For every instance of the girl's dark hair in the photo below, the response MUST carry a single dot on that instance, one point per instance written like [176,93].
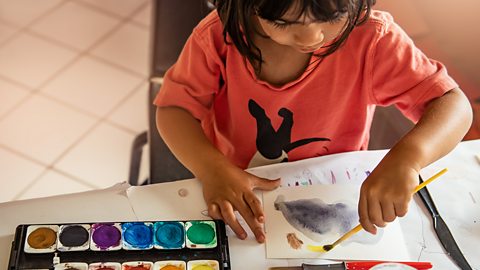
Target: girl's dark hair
[236,14]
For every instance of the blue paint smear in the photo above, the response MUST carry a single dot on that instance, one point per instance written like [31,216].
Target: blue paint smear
[317,217]
[169,235]
[138,235]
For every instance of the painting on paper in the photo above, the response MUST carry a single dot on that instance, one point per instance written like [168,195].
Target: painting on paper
[319,215]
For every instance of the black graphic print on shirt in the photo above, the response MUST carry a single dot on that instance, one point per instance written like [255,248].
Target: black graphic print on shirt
[273,145]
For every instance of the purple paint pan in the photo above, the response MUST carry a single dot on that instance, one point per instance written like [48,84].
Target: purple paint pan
[106,237]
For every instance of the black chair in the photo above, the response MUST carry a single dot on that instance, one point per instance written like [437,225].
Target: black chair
[172,23]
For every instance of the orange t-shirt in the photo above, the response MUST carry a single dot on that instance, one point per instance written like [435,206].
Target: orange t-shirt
[327,110]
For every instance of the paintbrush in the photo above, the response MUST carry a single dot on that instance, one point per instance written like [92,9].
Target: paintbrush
[357,228]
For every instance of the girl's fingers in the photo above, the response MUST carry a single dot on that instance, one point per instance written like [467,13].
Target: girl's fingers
[214,211]
[363,214]
[375,214]
[388,211]
[266,184]
[252,222]
[255,206]
[401,209]
[230,219]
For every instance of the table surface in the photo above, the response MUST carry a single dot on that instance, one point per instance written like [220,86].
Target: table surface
[459,190]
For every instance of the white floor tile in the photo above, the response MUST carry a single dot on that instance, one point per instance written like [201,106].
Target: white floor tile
[101,159]
[144,17]
[6,32]
[121,8]
[43,129]
[133,114]
[16,174]
[127,47]
[75,25]
[51,184]
[31,61]
[92,85]
[22,12]
[10,95]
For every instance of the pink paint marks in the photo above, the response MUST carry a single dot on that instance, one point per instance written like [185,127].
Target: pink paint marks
[334,179]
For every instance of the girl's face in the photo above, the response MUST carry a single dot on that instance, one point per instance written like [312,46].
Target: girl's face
[303,34]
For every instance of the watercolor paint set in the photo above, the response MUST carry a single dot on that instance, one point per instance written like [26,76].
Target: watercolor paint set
[146,245]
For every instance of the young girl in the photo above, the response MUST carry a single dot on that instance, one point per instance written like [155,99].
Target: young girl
[265,81]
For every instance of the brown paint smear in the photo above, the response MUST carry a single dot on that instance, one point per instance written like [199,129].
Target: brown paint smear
[42,238]
[293,241]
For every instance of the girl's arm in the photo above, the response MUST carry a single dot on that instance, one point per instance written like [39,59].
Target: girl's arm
[225,187]
[385,194]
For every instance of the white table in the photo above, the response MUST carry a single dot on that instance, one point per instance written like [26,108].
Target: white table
[457,198]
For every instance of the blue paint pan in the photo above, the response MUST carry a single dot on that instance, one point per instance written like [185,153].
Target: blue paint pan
[169,235]
[137,235]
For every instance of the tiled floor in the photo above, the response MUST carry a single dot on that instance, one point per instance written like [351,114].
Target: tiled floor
[73,93]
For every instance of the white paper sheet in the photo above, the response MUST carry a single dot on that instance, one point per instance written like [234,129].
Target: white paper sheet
[168,201]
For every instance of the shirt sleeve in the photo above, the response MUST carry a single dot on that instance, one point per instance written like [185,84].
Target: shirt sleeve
[402,75]
[192,82]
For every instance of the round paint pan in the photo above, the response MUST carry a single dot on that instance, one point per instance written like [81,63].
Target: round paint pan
[105,266]
[137,266]
[71,266]
[203,265]
[200,234]
[170,265]
[105,236]
[73,237]
[169,235]
[137,235]
[41,239]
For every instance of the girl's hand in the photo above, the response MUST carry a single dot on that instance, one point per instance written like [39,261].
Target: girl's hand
[228,189]
[385,195]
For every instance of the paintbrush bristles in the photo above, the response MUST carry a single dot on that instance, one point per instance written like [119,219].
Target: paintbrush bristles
[327,248]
